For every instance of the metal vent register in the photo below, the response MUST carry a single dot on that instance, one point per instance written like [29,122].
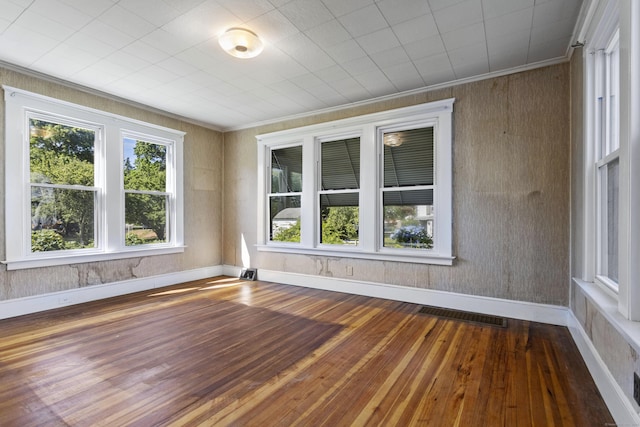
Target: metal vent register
[447,313]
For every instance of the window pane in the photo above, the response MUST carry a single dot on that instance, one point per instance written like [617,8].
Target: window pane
[408,158]
[60,154]
[341,164]
[146,218]
[285,218]
[613,172]
[61,219]
[339,218]
[408,219]
[145,165]
[613,89]
[286,170]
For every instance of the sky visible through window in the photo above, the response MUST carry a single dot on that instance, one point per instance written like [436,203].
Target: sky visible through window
[129,144]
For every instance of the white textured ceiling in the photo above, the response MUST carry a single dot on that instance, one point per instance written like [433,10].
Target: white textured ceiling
[319,54]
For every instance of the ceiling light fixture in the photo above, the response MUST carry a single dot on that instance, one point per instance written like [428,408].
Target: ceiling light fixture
[392,139]
[241,43]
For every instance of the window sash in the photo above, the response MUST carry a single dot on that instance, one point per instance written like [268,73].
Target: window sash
[287,163]
[349,233]
[36,227]
[340,164]
[612,89]
[607,143]
[161,228]
[408,175]
[604,75]
[412,162]
[607,233]
[338,196]
[287,218]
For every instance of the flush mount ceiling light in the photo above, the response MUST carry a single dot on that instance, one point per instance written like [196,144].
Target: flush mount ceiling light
[241,43]
[392,139]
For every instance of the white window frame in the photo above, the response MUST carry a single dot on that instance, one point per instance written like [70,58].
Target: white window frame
[629,267]
[606,145]
[285,194]
[108,163]
[439,245]
[320,191]
[610,16]
[437,114]
[170,177]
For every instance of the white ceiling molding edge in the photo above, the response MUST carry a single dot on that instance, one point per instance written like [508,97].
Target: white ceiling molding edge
[492,75]
[51,79]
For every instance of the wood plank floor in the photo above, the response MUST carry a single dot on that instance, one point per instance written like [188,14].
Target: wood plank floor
[228,352]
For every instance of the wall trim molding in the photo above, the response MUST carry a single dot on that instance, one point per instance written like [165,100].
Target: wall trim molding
[614,397]
[543,313]
[36,303]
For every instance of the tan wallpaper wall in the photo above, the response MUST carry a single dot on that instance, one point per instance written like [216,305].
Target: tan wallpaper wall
[511,193]
[203,153]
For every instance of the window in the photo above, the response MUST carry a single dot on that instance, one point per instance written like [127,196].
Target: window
[375,186]
[147,199]
[611,206]
[607,152]
[339,193]
[407,191]
[87,185]
[62,184]
[285,194]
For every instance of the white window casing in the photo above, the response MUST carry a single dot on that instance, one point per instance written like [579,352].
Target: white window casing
[369,129]
[629,267]
[612,140]
[601,143]
[108,160]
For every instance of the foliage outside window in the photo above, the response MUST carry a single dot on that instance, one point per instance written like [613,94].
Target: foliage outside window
[146,199]
[339,192]
[375,186]
[63,195]
[87,185]
[407,194]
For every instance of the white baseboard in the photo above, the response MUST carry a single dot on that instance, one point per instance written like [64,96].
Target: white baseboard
[544,313]
[619,405]
[33,304]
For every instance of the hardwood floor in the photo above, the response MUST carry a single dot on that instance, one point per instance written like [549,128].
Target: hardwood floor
[228,352]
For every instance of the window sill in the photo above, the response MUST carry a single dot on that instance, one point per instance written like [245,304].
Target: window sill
[21,264]
[607,285]
[607,305]
[422,258]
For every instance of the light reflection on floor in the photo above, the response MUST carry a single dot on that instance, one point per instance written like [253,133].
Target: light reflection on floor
[245,297]
[173,291]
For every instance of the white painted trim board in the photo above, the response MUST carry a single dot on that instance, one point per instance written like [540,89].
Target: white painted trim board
[619,405]
[543,313]
[36,303]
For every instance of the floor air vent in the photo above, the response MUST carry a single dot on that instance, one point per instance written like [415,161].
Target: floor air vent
[447,313]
